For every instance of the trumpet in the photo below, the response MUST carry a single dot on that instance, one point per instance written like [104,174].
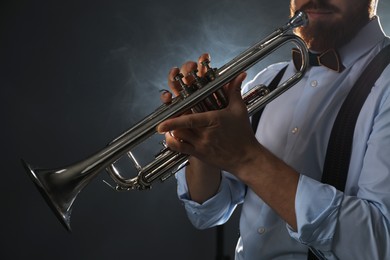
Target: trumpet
[60,186]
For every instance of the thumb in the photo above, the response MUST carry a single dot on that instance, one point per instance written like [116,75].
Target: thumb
[233,89]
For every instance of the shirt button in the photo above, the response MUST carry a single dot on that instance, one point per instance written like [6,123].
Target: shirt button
[261,230]
[314,83]
[295,130]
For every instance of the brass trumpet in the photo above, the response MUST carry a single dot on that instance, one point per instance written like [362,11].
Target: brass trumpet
[61,186]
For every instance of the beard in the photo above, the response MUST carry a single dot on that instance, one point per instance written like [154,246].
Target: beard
[322,35]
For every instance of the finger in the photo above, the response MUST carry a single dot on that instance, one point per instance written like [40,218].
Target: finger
[178,145]
[185,135]
[185,69]
[172,83]
[201,68]
[233,89]
[165,96]
[189,121]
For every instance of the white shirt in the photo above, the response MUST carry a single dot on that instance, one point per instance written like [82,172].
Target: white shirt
[296,127]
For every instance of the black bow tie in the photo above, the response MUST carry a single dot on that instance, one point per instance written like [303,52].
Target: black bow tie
[329,59]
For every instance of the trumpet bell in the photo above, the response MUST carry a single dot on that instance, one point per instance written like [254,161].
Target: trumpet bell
[59,188]
[58,204]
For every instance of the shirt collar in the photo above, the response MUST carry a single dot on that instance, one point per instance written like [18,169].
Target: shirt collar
[369,36]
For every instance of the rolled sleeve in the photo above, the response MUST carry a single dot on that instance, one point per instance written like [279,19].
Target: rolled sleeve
[316,209]
[214,211]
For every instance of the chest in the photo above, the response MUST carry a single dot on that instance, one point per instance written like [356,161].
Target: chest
[296,126]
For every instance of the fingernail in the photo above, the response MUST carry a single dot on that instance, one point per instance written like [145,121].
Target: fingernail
[161,130]
[244,74]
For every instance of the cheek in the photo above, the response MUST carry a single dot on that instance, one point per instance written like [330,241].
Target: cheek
[297,4]
[350,6]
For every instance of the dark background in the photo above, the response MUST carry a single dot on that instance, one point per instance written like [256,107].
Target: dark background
[76,74]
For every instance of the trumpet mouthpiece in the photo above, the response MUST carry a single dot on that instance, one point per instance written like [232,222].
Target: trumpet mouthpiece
[299,19]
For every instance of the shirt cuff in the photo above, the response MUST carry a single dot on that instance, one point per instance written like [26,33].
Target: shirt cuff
[316,207]
[214,211]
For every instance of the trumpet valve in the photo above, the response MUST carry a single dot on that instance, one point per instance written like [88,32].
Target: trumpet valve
[210,73]
[186,90]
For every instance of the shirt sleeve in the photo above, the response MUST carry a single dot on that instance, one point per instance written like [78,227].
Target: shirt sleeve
[316,208]
[217,209]
[352,225]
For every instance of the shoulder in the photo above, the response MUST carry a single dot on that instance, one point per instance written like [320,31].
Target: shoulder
[381,89]
[376,108]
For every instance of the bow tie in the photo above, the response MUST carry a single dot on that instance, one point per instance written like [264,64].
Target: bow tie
[329,59]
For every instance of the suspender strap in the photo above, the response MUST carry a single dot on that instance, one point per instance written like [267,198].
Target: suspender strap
[272,86]
[339,149]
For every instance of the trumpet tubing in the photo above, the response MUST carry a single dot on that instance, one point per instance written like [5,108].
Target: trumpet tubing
[61,186]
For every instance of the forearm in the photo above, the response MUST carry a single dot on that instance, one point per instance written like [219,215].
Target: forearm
[273,181]
[202,179]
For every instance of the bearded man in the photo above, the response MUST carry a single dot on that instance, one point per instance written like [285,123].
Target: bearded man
[287,212]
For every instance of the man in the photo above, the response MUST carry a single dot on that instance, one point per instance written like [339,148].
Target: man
[276,173]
